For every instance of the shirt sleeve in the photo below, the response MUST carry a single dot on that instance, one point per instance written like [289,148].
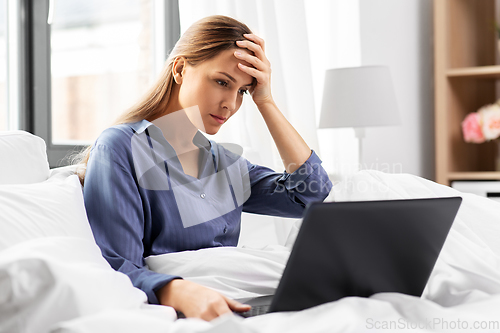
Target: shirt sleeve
[115,212]
[286,194]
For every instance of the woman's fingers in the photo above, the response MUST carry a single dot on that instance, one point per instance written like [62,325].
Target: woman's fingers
[256,39]
[255,48]
[254,61]
[222,306]
[259,75]
[258,66]
[237,306]
[216,308]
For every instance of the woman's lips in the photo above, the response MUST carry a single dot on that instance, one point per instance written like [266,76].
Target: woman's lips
[220,120]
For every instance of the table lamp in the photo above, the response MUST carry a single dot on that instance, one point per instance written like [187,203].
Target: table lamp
[358,97]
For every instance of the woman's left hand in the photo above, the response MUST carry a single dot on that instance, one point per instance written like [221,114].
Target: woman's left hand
[261,70]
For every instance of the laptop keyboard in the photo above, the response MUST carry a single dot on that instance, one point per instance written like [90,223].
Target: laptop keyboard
[255,311]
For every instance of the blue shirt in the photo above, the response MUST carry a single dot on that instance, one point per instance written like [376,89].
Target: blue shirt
[139,202]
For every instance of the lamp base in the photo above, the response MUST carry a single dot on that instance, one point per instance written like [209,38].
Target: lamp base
[360,134]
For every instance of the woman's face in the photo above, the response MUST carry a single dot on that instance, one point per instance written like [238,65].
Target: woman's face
[216,87]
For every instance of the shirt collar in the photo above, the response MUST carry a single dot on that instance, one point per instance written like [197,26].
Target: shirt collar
[140,126]
[199,139]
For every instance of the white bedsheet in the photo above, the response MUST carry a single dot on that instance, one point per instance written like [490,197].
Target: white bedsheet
[463,291]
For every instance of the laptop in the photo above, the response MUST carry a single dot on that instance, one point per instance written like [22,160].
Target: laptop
[359,248]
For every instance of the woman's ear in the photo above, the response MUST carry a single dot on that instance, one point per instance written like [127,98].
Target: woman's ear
[178,69]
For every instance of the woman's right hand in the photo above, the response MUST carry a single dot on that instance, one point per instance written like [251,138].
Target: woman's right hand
[195,300]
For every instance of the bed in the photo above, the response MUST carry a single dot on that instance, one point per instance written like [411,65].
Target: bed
[54,279]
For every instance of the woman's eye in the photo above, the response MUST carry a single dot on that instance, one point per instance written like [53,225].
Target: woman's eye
[226,84]
[222,83]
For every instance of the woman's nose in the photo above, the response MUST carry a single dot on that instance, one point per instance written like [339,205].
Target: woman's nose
[230,102]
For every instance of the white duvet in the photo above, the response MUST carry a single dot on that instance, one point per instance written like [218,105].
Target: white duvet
[463,292]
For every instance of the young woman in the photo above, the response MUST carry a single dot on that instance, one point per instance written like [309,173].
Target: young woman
[154,184]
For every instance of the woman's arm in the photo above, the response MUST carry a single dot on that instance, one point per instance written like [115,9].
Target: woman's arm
[116,216]
[286,194]
[292,148]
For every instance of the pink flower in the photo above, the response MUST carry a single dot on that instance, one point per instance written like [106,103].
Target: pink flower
[471,127]
[490,116]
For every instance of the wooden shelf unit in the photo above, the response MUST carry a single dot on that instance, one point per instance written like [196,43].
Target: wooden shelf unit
[483,72]
[493,175]
[466,73]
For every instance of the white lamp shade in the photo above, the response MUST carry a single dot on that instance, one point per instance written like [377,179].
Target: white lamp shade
[358,97]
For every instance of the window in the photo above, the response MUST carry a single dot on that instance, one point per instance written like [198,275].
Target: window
[102,60]
[92,62]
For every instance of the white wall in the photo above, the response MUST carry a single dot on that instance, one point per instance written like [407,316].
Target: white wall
[399,34]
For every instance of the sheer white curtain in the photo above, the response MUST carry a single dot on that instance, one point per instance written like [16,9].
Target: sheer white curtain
[334,42]
[303,39]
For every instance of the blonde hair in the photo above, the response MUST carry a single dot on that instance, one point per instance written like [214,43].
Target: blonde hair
[202,41]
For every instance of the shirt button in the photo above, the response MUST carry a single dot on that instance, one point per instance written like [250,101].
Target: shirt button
[202,195]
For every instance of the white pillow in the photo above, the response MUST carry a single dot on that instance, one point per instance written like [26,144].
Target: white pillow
[51,208]
[23,158]
[232,271]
